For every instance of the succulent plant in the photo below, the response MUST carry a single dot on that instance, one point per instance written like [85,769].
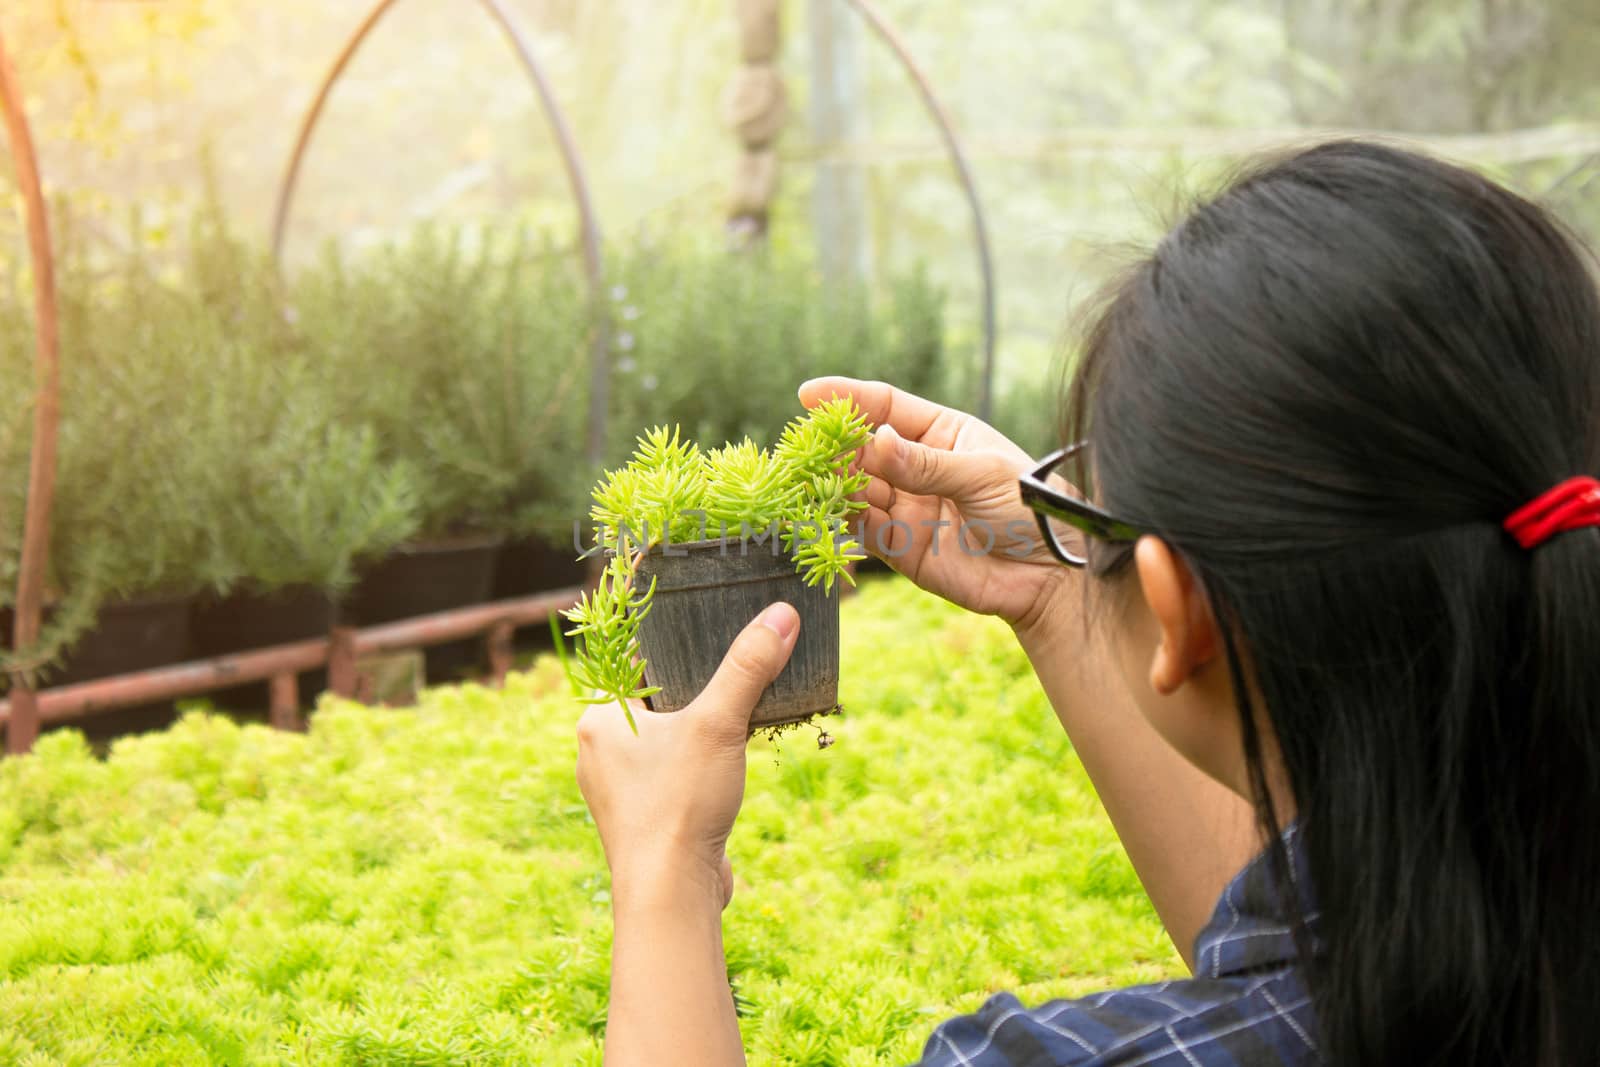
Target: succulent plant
[802,491]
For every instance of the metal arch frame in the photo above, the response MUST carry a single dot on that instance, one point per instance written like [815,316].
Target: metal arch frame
[577,179]
[891,37]
[23,727]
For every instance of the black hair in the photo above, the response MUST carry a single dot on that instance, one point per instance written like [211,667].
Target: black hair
[1326,390]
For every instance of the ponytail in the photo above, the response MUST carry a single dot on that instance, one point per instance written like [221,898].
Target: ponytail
[1560,792]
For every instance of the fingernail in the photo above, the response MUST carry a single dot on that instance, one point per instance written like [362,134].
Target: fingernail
[781,619]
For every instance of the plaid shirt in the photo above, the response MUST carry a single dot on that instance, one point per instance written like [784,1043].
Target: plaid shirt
[1246,1006]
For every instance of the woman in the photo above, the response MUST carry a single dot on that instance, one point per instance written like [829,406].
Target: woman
[1341,608]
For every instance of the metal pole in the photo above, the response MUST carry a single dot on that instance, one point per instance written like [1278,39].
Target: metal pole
[958,156]
[23,727]
[308,125]
[577,179]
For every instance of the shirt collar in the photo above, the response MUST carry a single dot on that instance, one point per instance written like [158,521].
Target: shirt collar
[1252,928]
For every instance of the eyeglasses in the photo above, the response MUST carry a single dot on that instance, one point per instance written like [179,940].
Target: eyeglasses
[1066,517]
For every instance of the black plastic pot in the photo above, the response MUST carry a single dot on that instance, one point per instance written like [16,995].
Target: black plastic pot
[706,593]
[128,636]
[528,566]
[251,619]
[424,579]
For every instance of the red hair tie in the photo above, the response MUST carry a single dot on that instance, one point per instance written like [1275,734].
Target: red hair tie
[1572,505]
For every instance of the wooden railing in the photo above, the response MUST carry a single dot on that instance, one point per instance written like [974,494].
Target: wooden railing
[281,665]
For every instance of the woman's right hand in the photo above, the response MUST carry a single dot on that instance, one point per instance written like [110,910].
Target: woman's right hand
[935,472]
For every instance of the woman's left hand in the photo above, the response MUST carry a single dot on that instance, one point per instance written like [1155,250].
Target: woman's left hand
[665,801]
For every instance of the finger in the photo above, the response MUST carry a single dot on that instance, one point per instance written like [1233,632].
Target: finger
[882,537]
[593,728]
[880,402]
[596,724]
[880,494]
[914,468]
[756,657]
[895,541]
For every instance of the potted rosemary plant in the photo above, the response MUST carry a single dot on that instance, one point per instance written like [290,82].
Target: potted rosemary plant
[464,351]
[306,500]
[698,542]
[128,532]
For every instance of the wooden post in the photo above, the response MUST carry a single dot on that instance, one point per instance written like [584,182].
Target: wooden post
[755,107]
[285,705]
[502,652]
[837,119]
[343,677]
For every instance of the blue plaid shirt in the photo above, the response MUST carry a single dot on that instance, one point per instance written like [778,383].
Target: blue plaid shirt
[1246,1006]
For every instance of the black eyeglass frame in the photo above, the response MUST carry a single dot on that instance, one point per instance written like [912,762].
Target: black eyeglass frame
[1047,503]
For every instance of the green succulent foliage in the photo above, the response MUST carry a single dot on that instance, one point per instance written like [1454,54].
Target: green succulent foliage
[672,491]
[748,490]
[606,625]
[817,443]
[425,886]
[820,555]
[662,450]
[657,496]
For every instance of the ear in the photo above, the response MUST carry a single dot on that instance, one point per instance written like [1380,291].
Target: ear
[1189,637]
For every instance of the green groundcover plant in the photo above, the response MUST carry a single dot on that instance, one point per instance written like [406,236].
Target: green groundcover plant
[425,886]
[800,493]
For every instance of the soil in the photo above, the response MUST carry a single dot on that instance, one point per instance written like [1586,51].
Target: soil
[824,739]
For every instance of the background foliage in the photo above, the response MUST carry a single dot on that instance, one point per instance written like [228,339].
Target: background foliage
[224,426]
[718,344]
[1083,119]
[424,886]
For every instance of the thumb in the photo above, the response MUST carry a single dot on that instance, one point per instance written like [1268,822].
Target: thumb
[916,468]
[756,657]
